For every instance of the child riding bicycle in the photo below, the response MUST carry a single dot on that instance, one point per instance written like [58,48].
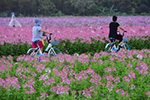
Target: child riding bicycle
[113,27]
[37,34]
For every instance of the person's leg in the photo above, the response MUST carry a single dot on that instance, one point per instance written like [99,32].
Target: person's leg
[112,41]
[34,45]
[120,38]
[41,46]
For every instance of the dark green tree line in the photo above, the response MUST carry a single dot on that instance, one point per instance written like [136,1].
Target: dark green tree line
[73,7]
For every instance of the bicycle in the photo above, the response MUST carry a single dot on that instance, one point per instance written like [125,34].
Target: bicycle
[49,49]
[112,46]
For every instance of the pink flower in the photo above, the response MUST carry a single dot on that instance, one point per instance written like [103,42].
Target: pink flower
[114,69]
[2,81]
[28,92]
[126,78]
[129,65]
[122,92]
[132,75]
[43,95]
[147,93]
[117,91]
[132,86]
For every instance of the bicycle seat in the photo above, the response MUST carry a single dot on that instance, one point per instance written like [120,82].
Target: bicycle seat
[111,38]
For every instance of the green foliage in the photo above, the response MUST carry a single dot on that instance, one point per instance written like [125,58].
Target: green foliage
[73,7]
[47,7]
[14,50]
[139,44]
[71,48]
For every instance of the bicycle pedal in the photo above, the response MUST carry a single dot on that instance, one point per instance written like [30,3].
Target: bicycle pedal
[40,55]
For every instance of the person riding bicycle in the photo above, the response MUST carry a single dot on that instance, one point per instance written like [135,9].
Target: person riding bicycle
[37,34]
[113,27]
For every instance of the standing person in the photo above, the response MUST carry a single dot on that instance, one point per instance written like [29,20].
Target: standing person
[113,27]
[37,34]
[14,22]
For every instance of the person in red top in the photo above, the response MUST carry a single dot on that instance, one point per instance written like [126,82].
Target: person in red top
[113,27]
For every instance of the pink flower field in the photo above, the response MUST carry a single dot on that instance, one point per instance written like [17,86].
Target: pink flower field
[122,76]
[100,76]
[74,28]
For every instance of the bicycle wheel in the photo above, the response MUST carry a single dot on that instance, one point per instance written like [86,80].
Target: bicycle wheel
[53,52]
[108,47]
[31,52]
[125,46]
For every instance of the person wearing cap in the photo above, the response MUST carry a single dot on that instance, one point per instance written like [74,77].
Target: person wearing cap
[37,34]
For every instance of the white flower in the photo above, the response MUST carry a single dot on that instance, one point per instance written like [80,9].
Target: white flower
[139,56]
[48,70]
[76,54]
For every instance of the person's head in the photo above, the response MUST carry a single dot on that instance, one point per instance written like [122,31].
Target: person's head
[114,18]
[37,22]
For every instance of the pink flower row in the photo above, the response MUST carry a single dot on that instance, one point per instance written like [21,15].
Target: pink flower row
[24,34]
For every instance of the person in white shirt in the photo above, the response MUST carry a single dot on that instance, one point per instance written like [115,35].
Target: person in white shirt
[37,34]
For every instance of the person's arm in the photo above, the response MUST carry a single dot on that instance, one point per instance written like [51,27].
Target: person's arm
[45,31]
[122,29]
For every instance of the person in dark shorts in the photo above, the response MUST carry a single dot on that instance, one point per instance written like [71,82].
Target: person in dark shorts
[113,27]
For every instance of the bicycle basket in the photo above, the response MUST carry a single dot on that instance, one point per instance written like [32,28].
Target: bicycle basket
[125,39]
[54,43]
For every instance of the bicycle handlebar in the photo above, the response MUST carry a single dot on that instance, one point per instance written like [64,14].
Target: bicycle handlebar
[48,39]
[120,33]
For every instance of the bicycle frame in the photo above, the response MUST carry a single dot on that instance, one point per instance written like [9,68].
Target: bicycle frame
[49,47]
[112,46]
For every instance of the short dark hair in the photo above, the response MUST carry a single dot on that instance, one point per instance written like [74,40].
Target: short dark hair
[114,18]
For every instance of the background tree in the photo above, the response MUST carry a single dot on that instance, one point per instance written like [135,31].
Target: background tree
[47,7]
[73,7]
